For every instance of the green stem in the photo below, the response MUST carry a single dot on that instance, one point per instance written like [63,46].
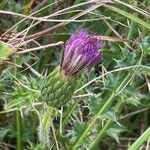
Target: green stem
[47,116]
[68,113]
[100,135]
[140,140]
[45,124]
[66,116]
[102,110]
[18,128]
[18,119]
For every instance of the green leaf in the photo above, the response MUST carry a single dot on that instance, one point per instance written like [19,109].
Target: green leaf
[95,104]
[133,96]
[145,69]
[115,131]
[130,16]
[23,93]
[3,132]
[5,51]
[79,128]
[111,115]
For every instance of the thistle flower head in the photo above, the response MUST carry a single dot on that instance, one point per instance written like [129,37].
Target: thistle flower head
[81,51]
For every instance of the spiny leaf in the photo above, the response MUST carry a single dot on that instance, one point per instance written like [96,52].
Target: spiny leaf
[115,131]
[3,132]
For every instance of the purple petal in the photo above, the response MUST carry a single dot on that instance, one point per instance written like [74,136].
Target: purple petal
[82,50]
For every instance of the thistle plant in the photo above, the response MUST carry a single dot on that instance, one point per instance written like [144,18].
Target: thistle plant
[68,108]
[81,51]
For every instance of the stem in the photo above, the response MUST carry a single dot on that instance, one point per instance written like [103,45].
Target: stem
[45,124]
[102,110]
[68,114]
[54,134]
[18,119]
[65,118]
[140,140]
[100,135]
[18,128]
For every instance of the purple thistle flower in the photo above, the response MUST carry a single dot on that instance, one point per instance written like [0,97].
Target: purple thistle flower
[81,52]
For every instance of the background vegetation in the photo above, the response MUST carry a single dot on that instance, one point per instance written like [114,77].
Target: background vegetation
[111,109]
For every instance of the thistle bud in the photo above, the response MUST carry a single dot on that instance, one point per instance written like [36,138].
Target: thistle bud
[81,51]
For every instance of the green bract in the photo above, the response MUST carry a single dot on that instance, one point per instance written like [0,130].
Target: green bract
[58,89]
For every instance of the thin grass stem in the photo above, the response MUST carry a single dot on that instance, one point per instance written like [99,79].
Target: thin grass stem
[145,136]
[18,128]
